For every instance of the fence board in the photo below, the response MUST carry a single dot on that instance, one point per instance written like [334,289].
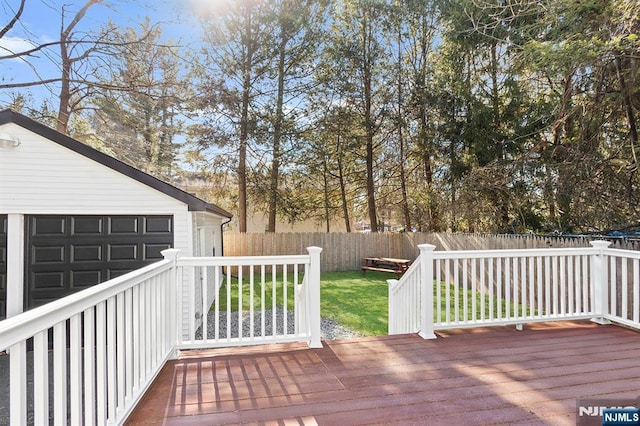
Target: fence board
[344,251]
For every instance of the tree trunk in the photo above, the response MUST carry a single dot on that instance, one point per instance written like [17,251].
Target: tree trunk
[64,114]
[64,106]
[277,135]
[244,130]
[403,177]
[343,189]
[501,194]
[369,130]
[325,181]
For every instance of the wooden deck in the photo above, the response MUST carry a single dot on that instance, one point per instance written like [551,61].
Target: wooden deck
[478,376]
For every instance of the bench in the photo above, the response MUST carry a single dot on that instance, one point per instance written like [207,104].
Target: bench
[385,264]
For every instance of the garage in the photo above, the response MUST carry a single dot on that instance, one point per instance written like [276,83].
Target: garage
[73,217]
[69,253]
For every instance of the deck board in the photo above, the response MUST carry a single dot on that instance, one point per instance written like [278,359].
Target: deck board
[476,376]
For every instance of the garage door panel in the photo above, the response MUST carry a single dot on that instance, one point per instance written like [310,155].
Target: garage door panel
[120,252]
[48,254]
[86,253]
[48,225]
[69,253]
[87,278]
[47,280]
[87,225]
[161,224]
[123,225]
[153,251]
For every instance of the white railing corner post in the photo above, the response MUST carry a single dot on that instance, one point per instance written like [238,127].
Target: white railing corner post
[174,297]
[393,314]
[599,282]
[426,280]
[313,296]
[18,380]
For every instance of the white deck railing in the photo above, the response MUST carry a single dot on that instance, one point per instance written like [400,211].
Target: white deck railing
[260,299]
[500,287]
[405,301]
[89,357]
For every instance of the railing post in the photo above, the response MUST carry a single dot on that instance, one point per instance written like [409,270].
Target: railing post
[393,316]
[18,380]
[426,280]
[313,296]
[174,297]
[599,282]
[15,262]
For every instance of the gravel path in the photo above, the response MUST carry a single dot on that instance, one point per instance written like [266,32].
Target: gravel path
[329,329]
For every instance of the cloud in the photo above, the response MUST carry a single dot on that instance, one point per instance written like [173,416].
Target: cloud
[10,45]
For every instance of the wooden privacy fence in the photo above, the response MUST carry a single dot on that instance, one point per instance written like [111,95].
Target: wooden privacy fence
[345,251]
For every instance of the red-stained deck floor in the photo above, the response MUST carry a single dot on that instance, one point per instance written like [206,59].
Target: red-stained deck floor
[466,377]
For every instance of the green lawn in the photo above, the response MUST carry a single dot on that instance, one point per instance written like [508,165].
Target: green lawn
[357,303]
[362,304]
[269,294]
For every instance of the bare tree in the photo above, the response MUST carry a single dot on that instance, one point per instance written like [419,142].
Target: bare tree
[81,57]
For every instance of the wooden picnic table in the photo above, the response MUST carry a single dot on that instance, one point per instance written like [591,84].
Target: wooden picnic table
[385,264]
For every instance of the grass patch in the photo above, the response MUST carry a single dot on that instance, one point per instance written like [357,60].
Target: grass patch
[499,307]
[362,303]
[358,303]
[269,294]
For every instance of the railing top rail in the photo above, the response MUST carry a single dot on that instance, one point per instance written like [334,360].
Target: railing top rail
[243,260]
[629,254]
[27,324]
[413,268]
[503,253]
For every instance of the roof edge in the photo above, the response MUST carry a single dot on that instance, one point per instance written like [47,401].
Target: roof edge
[194,203]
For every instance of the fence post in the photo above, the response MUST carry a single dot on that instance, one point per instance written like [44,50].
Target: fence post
[599,282]
[174,297]
[313,296]
[426,280]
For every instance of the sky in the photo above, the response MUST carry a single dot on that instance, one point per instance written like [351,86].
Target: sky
[42,19]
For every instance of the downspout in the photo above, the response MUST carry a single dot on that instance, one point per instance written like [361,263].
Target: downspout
[222,236]
[222,242]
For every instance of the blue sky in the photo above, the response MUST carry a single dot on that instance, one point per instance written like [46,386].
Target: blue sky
[41,22]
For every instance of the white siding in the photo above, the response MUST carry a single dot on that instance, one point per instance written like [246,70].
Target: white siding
[182,232]
[212,244]
[209,227]
[43,177]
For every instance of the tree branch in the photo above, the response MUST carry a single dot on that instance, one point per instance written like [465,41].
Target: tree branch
[14,20]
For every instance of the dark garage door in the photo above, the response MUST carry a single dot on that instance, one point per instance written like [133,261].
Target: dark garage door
[65,254]
[3,266]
